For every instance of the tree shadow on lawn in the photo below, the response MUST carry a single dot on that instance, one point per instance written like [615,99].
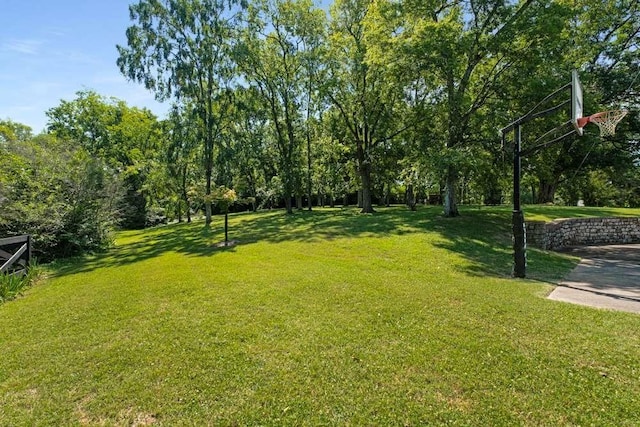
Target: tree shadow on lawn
[273,227]
[484,238]
[481,236]
[145,244]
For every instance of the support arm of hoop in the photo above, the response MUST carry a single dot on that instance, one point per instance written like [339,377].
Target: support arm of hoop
[532,114]
[546,144]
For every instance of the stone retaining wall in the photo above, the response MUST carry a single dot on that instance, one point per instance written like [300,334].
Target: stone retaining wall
[582,231]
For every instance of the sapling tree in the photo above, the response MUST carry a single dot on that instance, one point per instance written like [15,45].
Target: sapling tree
[223,198]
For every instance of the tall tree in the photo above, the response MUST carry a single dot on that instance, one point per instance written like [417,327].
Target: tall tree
[601,40]
[333,164]
[365,93]
[468,46]
[279,46]
[181,154]
[252,162]
[85,119]
[125,138]
[184,49]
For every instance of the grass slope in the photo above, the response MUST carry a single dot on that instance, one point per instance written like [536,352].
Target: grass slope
[322,318]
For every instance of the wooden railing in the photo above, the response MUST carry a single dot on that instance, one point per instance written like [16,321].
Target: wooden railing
[15,254]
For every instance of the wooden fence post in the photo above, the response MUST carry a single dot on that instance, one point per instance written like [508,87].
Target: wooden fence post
[29,245]
[18,252]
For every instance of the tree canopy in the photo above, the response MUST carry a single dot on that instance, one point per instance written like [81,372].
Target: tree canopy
[361,101]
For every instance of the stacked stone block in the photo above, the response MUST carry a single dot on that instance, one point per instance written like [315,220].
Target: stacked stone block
[582,231]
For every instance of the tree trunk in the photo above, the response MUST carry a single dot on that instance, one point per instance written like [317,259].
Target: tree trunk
[308,167]
[450,205]
[364,195]
[546,191]
[387,195]
[299,202]
[185,196]
[207,204]
[308,132]
[207,213]
[411,197]
[187,210]
[287,204]
[533,193]
[207,118]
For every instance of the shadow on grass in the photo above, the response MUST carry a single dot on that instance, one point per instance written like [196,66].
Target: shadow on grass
[480,235]
[274,227]
[483,237]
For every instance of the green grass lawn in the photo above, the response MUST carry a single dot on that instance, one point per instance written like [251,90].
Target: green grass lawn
[549,213]
[321,318]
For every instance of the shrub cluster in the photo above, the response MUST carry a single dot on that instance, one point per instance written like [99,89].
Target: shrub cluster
[55,191]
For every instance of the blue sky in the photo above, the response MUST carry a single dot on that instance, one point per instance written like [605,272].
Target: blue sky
[50,49]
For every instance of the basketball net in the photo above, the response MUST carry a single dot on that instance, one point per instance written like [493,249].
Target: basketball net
[606,121]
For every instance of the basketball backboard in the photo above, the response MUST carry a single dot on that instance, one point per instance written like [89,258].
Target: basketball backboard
[576,101]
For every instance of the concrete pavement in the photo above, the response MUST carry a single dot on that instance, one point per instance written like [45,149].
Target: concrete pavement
[607,277]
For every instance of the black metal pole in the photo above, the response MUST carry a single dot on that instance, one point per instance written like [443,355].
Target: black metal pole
[226,227]
[517,218]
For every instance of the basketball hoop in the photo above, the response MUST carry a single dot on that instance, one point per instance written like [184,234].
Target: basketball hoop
[606,121]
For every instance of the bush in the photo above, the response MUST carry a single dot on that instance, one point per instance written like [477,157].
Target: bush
[155,216]
[54,190]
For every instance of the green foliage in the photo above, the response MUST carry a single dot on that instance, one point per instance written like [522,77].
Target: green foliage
[185,49]
[11,131]
[334,168]
[380,97]
[604,187]
[223,198]
[125,138]
[60,194]
[367,95]
[251,147]
[11,286]
[180,175]
[279,56]
[411,90]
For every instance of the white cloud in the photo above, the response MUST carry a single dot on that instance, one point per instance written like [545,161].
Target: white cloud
[25,46]
[55,31]
[76,57]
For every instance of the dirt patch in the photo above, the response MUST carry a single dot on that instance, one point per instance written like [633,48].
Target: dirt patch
[228,244]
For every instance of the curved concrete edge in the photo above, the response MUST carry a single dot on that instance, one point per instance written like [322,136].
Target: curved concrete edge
[607,277]
[589,298]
